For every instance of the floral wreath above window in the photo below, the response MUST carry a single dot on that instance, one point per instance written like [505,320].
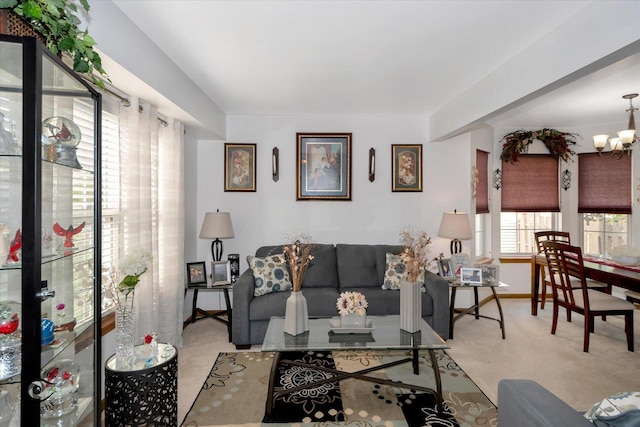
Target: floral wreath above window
[557,142]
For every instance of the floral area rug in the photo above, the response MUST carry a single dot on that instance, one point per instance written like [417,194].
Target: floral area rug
[234,393]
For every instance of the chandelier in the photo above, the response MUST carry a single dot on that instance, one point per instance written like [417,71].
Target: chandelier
[626,138]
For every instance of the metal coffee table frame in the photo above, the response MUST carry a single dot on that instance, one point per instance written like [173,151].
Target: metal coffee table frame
[386,335]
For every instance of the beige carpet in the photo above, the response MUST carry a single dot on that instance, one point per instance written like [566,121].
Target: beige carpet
[530,351]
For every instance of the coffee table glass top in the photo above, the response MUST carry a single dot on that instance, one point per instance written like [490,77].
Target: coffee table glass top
[386,334]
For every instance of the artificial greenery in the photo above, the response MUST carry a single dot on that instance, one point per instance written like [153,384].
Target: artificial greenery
[558,143]
[58,22]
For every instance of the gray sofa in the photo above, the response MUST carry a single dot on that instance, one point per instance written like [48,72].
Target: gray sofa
[525,403]
[334,269]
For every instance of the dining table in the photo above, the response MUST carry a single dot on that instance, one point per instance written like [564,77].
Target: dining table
[600,269]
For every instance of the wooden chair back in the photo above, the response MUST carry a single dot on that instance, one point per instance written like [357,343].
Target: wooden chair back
[552,235]
[567,274]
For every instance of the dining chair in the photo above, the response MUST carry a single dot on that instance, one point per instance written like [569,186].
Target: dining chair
[562,237]
[571,292]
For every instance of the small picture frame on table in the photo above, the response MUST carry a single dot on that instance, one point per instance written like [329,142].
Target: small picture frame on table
[458,261]
[220,273]
[444,267]
[471,276]
[490,272]
[196,273]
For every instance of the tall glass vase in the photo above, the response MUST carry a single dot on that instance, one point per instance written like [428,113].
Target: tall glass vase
[125,330]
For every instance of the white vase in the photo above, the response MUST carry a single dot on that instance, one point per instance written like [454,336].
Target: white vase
[353,321]
[296,316]
[410,306]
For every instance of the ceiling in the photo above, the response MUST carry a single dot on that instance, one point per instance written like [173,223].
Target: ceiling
[369,57]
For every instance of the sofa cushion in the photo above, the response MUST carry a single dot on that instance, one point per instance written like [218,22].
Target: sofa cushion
[396,272]
[322,269]
[620,409]
[363,265]
[270,274]
[321,302]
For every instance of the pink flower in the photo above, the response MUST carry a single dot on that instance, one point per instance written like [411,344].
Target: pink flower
[60,306]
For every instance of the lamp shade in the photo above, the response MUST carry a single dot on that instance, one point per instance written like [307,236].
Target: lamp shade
[455,225]
[217,225]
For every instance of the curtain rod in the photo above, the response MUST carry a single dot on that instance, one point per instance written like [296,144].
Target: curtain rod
[123,99]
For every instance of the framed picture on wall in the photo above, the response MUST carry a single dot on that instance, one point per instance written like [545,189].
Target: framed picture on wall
[239,167]
[323,166]
[406,167]
[196,273]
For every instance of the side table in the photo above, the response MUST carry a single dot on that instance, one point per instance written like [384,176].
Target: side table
[146,394]
[215,314]
[475,308]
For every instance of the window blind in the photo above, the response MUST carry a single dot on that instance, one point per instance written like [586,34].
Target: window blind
[604,184]
[482,184]
[531,185]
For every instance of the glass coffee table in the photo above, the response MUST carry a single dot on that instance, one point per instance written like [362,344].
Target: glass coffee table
[385,334]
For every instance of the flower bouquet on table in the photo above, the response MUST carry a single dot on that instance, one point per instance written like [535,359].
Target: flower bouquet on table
[625,255]
[352,307]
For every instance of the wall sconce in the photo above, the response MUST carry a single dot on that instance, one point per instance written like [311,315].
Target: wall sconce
[275,164]
[372,164]
[566,180]
[497,179]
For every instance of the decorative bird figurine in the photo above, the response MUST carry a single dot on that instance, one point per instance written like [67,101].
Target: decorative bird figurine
[14,247]
[10,325]
[68,233]
[60,134]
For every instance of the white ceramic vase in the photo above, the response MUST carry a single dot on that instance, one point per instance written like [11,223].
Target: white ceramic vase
[296,317]
[353,320]
[410,306]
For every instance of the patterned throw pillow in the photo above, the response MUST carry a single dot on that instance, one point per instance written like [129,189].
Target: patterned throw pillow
[397,272]
[621,409]
[270,273]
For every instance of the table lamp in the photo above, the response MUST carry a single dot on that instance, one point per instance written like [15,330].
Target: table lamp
[216,225]
[455,226]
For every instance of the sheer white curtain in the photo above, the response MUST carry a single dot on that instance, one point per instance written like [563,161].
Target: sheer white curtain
[152,205]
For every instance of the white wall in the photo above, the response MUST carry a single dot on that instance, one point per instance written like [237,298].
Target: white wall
[375,214]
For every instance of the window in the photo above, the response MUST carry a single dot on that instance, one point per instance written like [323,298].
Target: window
[605,208]
[481,236]
[530,202]
[517,230]
[602,232]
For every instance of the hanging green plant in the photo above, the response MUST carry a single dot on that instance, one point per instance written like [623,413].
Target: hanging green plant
[558,143]
[57,21]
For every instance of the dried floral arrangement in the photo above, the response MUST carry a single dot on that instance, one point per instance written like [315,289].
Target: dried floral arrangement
[416,252]
[558,143]
[298,255]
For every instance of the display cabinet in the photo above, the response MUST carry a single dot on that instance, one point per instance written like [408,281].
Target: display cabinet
[49,240]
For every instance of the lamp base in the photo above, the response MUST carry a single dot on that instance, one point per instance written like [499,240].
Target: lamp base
[216,250]
[455,246]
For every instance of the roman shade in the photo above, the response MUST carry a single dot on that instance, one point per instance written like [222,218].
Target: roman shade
[482,185]
[604,184]
[531,184]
